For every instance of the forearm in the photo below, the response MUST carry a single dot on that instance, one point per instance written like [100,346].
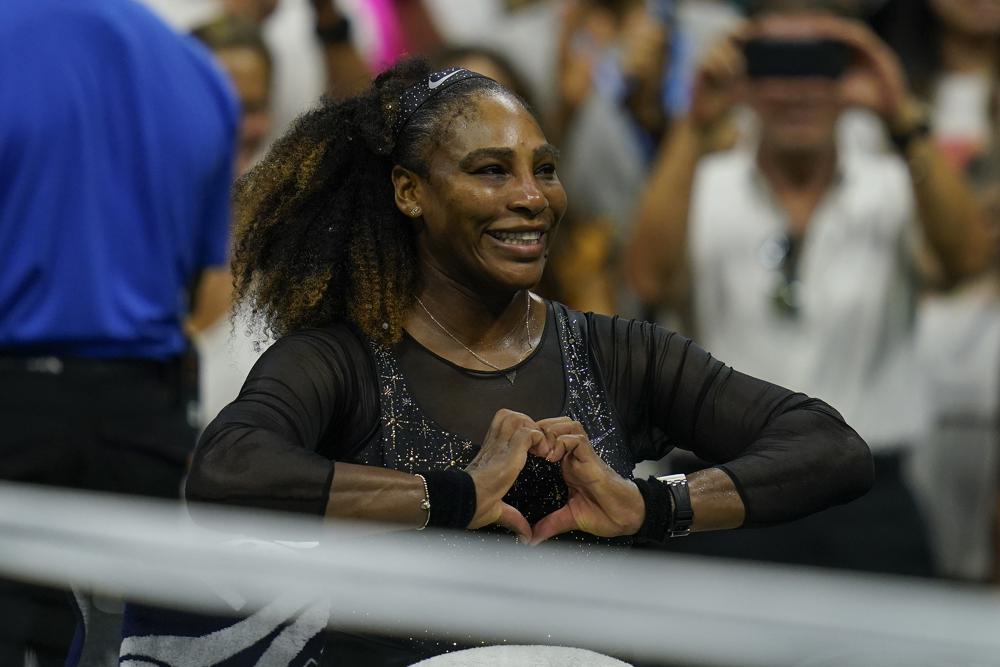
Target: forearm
[716,502]
[212,300]
[951,219]
[659,241]
[346,73]
[374,494]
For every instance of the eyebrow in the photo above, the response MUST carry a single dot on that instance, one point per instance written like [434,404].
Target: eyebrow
[545,150]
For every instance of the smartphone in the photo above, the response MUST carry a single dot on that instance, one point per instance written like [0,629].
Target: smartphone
[770,58]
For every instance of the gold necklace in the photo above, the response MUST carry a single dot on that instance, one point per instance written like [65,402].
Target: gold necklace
[511,374]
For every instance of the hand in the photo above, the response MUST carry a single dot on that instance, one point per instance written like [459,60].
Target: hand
[578,52]
[875,80]
[644,48]
[505,449]
[601,502]
[719,81]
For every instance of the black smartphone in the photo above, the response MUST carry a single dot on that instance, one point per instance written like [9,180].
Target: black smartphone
[767,58]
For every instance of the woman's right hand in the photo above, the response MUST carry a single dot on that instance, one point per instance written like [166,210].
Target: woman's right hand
[511,437]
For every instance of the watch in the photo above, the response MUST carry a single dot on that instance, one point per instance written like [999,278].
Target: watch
[681,513]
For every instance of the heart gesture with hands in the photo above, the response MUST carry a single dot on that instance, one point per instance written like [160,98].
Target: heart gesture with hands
[509,440]
[601,502]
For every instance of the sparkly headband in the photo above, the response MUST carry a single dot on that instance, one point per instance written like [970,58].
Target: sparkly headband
[424,90]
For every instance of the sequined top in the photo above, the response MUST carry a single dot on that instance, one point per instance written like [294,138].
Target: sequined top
[412,441]
[316,397]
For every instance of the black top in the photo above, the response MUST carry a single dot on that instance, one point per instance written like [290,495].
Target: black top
[313,399]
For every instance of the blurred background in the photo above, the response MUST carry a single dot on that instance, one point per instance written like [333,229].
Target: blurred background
[816,204]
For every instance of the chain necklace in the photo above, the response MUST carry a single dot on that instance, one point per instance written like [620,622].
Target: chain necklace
[511,374]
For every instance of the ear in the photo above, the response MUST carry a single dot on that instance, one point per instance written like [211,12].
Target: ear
[406,185]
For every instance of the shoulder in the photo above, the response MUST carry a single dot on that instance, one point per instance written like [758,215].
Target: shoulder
[606,331]
[336,346]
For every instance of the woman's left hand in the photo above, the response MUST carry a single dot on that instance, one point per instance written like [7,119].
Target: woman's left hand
[601,502]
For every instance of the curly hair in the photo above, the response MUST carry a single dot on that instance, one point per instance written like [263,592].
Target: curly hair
[318,237]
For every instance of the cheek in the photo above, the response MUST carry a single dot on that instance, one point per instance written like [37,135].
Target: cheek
[556,195]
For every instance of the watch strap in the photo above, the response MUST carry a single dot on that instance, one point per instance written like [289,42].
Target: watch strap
[681,514]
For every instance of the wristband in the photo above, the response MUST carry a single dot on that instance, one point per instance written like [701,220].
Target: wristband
[668,508]
[450,499]
[336,33]
[901,141]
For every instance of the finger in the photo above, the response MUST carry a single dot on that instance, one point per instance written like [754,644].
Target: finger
[529,439]
[495,423]
[558,522]
[549,422]
[564,444]
[561,426]
[515,522]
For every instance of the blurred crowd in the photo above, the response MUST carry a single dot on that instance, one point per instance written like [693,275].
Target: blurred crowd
[810,189]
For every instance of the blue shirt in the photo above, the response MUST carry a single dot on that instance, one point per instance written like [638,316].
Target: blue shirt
[117,138]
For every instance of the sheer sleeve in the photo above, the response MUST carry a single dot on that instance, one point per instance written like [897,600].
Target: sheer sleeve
[307,401]
[788,454]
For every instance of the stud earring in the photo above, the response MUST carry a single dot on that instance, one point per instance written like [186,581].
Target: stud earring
[415,211]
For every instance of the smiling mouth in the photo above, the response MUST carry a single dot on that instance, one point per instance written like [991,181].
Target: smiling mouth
[518,238]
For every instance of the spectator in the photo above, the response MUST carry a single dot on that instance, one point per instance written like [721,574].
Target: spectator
[240,49]
[803,257]
[958,342]
[118,138]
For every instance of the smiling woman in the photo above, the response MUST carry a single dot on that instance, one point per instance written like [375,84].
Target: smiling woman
[390,242]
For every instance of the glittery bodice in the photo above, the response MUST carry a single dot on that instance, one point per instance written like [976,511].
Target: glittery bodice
[411,441]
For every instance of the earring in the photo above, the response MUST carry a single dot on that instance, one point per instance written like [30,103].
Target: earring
[415,211]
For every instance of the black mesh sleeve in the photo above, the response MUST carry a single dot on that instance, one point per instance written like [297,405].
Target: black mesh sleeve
[788,454]
[268,448]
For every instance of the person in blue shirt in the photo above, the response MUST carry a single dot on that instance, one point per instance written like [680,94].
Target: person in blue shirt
[117,139]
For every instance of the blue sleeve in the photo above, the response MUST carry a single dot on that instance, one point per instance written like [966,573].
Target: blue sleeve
[217,211]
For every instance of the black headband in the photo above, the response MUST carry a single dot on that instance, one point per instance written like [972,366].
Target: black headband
[421,92]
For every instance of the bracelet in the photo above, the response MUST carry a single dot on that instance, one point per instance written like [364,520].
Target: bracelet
[425,504]
[454,498]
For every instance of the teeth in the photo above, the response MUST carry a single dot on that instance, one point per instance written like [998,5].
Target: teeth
[518,238]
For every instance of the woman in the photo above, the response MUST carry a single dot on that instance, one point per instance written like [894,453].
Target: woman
[390,243]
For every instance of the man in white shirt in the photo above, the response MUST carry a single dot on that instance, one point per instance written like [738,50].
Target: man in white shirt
[803,259]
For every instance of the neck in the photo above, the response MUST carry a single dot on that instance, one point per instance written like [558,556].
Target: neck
[476,317]
[961,52]
[799,171]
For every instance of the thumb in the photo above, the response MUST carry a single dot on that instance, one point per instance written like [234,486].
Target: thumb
[514,521]
[559,522]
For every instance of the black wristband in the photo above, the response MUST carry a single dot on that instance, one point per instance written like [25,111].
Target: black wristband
[336,33]
[903,140]
[659,508]
[452,495]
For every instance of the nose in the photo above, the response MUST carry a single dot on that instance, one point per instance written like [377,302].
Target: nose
[529,200]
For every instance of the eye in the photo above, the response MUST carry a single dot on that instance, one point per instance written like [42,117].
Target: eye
[548,170]
[491,170]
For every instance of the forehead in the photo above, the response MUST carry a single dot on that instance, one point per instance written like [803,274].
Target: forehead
[489,120]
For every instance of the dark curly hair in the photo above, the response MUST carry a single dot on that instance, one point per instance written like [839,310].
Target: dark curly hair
[318,237]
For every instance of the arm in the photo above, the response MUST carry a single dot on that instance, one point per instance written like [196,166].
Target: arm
[346,73]
[780,455]
[212,299]
[265,449]
[950,216]
[657,252]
